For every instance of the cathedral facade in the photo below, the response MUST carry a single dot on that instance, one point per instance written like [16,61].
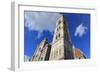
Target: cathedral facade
[61,47]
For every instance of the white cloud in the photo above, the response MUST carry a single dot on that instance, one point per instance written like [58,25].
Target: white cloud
[26,58]
[40,21]
[80,30]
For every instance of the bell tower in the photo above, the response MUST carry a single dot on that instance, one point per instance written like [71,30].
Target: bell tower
[61,45]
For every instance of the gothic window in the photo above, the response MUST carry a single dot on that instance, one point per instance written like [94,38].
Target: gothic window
[59,22]
[57,29]
[59,35]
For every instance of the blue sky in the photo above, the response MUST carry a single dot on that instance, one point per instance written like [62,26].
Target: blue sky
[38,25]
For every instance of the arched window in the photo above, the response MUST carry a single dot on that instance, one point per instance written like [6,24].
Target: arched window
[59,35]
[59,22]
[59,27]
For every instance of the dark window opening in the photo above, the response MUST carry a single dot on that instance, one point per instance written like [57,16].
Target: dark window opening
[59,22]
[59,35]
